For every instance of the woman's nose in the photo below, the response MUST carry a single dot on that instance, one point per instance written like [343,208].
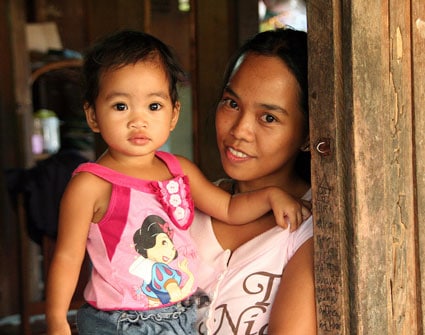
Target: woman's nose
[243,128]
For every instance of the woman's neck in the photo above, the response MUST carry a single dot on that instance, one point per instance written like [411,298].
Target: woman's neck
[296,186]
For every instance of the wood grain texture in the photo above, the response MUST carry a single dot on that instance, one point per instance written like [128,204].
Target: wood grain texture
[366,98]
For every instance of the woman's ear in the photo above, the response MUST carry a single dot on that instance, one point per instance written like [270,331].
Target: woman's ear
[306,145]
[175,116]
[91,117]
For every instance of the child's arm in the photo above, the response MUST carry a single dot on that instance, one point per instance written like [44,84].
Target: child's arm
[243,207]
[76,212]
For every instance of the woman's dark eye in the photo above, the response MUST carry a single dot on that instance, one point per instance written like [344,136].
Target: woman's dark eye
[268,118]
[120,107]
[230,103]
[154,106]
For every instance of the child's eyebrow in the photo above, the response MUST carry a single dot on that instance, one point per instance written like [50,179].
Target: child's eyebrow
[117,94]
[160,94]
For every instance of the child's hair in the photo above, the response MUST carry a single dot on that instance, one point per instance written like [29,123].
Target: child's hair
[126,47]
[290,46]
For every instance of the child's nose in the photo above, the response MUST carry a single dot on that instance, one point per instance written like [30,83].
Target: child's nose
[138,122]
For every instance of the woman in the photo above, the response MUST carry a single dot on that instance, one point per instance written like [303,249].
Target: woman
[259,276]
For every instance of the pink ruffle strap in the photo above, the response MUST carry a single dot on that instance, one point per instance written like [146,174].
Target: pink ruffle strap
[174,196]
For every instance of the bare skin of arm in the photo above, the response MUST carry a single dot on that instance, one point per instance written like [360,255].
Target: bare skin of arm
[244,207]
[293,311]
[77,207]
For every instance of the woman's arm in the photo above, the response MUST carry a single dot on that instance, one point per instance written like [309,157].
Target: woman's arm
[294,308]
[243,207]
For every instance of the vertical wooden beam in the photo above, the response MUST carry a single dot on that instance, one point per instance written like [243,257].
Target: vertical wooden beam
[213,34]
[371,229]
[106,16]
[331,176]
[368,180]
[385,285]
[418,91]
[15,112]
[21,75]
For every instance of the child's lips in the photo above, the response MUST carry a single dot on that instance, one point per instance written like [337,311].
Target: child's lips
[139,139]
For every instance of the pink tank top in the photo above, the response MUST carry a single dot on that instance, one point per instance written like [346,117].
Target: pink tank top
[142,254]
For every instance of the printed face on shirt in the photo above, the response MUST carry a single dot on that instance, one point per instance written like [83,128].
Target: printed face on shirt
[133,110]
[259,122]
[163,251]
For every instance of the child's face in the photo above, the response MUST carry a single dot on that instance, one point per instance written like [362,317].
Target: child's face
[133,111]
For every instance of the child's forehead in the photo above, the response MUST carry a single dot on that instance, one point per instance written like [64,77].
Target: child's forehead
[137,80]
[129,69]
[155,62]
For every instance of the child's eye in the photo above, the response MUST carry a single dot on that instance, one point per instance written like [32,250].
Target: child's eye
[155,106]
[120,107]
[268,118]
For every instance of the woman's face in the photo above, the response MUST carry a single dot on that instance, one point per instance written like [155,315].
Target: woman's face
[259,123]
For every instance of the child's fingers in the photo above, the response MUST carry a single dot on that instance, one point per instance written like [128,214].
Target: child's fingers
[293,217]
[292,220]
[296,222]
[301,214]
[305,213]
[306,204]
[281,219]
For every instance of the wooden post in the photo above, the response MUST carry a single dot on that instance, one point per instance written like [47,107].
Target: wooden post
[366,104]
[417,25]
[331,181]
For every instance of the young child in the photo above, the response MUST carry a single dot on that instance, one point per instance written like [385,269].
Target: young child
[133,207]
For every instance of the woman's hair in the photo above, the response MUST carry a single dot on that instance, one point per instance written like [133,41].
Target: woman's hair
[123,48]
[290,46]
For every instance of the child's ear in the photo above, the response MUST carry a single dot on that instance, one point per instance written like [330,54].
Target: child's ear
[91,118]
[175,116]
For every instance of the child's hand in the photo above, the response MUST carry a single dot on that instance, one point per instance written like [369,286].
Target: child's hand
[288,211]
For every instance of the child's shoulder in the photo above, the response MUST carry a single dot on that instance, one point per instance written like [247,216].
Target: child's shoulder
[179,164]
[182,159]
[86,180]
[186,164]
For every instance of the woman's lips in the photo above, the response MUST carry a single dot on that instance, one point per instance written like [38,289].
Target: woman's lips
[236,155]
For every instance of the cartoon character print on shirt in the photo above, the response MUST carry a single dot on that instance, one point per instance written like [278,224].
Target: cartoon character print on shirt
[161,284]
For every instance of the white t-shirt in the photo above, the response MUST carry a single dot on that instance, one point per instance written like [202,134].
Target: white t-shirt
[242,287]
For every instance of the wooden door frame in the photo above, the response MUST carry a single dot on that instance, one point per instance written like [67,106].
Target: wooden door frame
[366,117]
